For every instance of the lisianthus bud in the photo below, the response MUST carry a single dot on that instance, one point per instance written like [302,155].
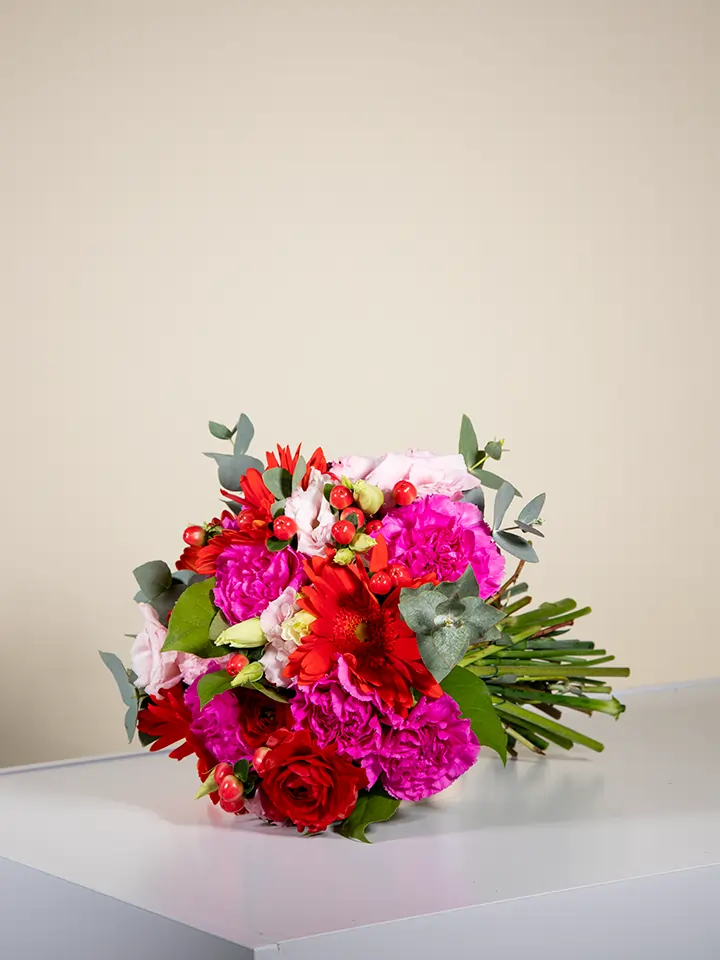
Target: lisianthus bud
[344,556]
[369,497]
[249,674]
[296,627]
[246,634]
[361,544]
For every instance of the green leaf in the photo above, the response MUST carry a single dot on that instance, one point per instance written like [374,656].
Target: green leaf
[503,499]
[217,625]
[279,482]
[275,546]
[299,473]
[231,467]
[250,674]
[445,629]
[491,480]
[468,444]
[212,684]
[128,692]
[208,786]
[244,432]
[153,578]
[270,692]
[515,545]
[189,627]
[532,509]
[476,496]
[219,430]
[277,508]
[373,807]
[528,528]
[466,586]
[494,449]
[242,769]
[473,698]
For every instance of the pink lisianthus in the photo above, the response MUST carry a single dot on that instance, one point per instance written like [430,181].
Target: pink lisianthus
[313,515]
[429,474]
[442,536]
[192,667]
[426,752]
[249,577]
[280,644]
[155,670]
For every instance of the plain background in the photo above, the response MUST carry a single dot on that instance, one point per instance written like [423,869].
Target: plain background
[354,221]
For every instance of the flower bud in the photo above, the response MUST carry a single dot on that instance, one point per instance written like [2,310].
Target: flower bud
[249,674]
[246,634]
[344,556]
[369,497]
[361,544]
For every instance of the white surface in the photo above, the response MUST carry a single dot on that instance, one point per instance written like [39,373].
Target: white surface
[650,805]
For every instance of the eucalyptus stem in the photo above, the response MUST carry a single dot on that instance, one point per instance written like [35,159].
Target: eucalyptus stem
[506,586]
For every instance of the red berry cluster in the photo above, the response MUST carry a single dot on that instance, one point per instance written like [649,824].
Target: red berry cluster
[230,789]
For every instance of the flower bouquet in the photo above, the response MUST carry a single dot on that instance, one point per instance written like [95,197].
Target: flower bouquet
[345,635]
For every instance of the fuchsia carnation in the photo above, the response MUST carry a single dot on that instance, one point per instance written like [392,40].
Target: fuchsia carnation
[335,715]
[217,724]
[426,752]
[249,577]
[442,536]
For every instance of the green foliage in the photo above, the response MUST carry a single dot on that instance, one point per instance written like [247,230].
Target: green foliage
[516,546]
[532,509]
[279,482]
[473,698]
[468,443]
[208,786]
[231,467]
[299,473]
[153,578]
[128,691]
[192,616]
[447,619]
[503,499]
[212,684]
[374,806]
[476,496]
[220,431]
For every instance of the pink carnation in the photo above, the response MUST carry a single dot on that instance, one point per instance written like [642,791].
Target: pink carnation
[442,536]
[217,724]
[249,577]
[155,669]
[426,752]
[429,474]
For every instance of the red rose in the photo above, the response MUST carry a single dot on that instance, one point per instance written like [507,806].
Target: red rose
[311,786]
[260,716]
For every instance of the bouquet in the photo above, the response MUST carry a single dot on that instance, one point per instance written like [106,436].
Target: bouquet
[348,635]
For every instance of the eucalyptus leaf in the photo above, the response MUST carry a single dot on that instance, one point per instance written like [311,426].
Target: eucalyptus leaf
[299,473]
[278,481]
[532,509]
[468,444]
[153,578]
[503,499]
[527,528]
[473,698]
[278,507]
[371,807]
[244,432]
[232,506]
[515,545]
[211,684]
[231,467]
[494,449]
[189,627]
[491,480]
[477,497]
[128,692]
[219,430]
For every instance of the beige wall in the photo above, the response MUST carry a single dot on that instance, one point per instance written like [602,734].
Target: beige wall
[354,221]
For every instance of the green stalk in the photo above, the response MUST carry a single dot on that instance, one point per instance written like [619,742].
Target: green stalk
[612,707]
[518,605]
[546,672]
[529,740]
[549,654]
[510,712]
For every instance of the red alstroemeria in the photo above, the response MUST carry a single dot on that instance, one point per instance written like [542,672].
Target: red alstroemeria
[253,521]
[289,461]
[168,719]
[379,648]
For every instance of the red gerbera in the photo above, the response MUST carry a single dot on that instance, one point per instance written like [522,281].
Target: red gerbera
[379,648]
[169,721]
[289,461]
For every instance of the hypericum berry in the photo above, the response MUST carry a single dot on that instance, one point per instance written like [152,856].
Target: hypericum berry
[284,527]
[194,536]
[350,512]
[236,664]
[221,771]
[230,789]
[340,497]
[400,574]
[404,493]
[381,582]
[343,531]
[233,806]
[259,758]
[372,527]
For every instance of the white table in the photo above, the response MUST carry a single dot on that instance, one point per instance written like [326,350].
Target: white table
[612,856]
